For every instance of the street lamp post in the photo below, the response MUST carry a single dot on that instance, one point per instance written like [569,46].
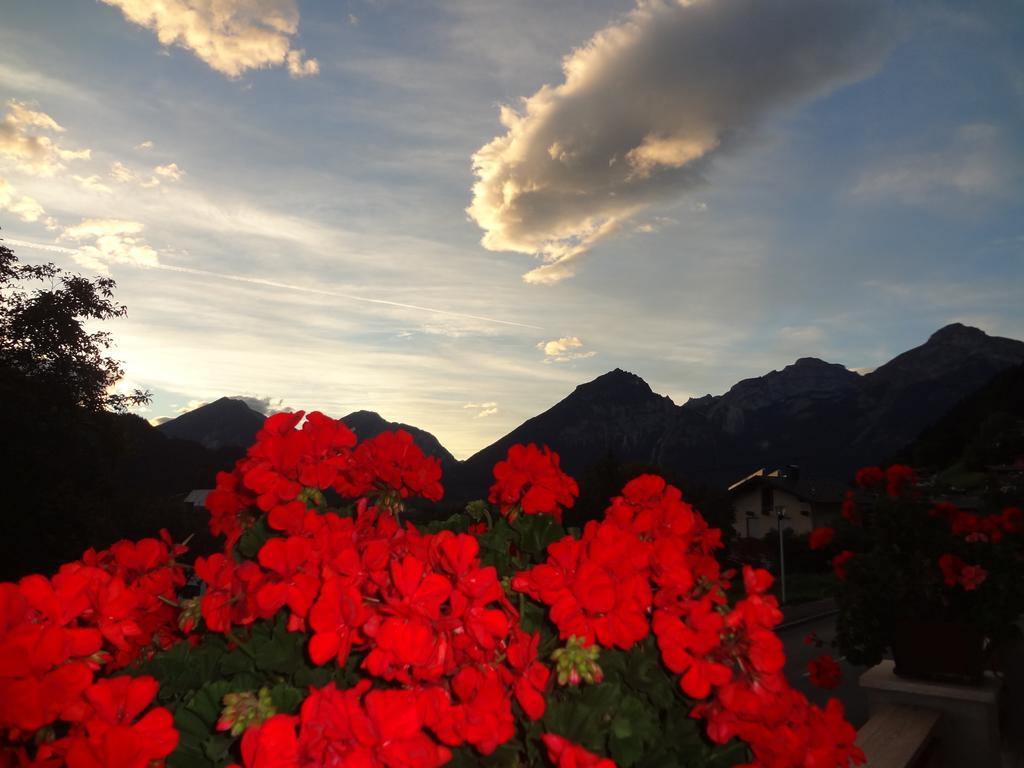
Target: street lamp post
[780,513]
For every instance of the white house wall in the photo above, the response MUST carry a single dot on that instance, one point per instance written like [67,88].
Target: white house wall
[799,513]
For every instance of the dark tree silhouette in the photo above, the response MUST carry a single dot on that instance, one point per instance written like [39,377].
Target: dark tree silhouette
[43,311]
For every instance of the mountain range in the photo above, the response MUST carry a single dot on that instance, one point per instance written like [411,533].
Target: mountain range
[818,415]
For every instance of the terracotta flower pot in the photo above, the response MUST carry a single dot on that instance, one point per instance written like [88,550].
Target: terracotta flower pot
[939,651]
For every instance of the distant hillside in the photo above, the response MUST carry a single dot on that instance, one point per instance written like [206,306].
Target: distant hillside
[985,428]
[223,423]
[815,414]
[92,479]
[615,414]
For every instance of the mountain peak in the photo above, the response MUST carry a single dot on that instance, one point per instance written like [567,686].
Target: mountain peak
[810,362]
[224,422]
[617,384]
[957,333]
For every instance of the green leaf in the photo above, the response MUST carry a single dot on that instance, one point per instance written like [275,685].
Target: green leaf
[286,698]
[536,532]
[633,730]
[252,540]
[277,650]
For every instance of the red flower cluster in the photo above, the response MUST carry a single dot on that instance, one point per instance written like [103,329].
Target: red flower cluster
[356,728]
[975,528]
[956,571]
[107,610]
[825,672]
[286,462]
[898,479]
[430,616]
[445,661]
[392,462]
[529,479]
[652,553]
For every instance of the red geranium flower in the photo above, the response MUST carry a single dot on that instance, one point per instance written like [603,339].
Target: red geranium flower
[564,754]
[531,479]
[849,507]
[822,537]
[825,672]
[869,477]
[840,561]
[951,566]
[899,479]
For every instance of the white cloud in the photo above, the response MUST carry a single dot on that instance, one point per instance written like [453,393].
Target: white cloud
[653,225]
[301,67]
[24,207]
[110,241]
[646,104]
[264,405]
[564,349]
[483,410]
[231,36]
[144,145]
[92,183]
[191,405]
[122,174]
[169,171]
[974,163]
[23,140]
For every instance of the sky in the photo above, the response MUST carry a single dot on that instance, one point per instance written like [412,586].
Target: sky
[453,212]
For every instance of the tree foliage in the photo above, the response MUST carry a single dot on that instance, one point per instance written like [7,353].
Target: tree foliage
[43,335]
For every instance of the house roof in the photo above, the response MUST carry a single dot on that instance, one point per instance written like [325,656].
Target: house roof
[814,489]
[198,497]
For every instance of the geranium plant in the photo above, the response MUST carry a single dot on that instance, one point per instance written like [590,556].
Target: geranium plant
[332,631]
[903,560]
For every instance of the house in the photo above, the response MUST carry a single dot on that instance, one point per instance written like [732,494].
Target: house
[197,499]
[804,503]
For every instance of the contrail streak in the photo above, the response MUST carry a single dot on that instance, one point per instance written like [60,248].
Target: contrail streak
[291,287]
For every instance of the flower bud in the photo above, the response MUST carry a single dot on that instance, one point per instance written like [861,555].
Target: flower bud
[576,663]
[244,709]
[312,497]
[190,615]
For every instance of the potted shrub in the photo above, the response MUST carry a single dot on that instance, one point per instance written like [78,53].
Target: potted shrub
[331,631]
[933,584]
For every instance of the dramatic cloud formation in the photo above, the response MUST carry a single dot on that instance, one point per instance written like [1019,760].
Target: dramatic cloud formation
[483,410]
[23,140]
[645,106]
[563,350]
[231,36]
[110,241]
[22,206]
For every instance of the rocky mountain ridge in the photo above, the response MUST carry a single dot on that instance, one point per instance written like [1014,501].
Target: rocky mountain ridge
[819,415]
